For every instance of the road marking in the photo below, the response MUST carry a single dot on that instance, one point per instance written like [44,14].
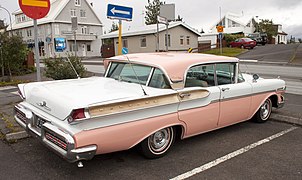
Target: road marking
[230,155]
[248,60]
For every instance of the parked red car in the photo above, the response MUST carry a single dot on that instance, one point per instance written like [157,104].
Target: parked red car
[244,43]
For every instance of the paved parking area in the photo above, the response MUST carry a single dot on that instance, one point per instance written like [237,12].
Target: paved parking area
[279,158]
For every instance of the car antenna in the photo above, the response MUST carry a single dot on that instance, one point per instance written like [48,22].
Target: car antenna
[136,75]
[73,68]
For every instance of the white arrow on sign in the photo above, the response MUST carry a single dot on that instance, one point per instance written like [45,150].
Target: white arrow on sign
[113,10]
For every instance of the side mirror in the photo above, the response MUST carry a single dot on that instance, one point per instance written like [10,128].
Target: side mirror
[255,77]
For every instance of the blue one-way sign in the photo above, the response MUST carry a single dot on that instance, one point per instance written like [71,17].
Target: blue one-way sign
[119,12]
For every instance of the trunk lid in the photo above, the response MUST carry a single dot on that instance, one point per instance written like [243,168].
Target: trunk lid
[59,98]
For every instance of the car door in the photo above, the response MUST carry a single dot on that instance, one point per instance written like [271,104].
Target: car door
[199,100]
[235,94]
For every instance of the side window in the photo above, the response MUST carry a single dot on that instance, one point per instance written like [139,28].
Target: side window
[240,77]
[200,76]
[225,73]
[159,80]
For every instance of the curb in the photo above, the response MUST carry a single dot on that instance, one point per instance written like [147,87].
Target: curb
[286,119]
[16,136]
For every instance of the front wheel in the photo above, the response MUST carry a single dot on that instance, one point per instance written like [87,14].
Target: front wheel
[158,144]
[264,112]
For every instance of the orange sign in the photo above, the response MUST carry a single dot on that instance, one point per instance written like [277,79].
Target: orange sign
[219,29]
[35,9]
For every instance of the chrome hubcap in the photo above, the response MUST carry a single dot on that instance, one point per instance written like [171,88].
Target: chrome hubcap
[265,110]
[160,140]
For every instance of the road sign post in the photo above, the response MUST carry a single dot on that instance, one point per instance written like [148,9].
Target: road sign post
[74,27]
[35,9]
[220,30]
[120,13]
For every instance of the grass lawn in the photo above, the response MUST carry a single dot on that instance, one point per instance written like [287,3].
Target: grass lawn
[232,52]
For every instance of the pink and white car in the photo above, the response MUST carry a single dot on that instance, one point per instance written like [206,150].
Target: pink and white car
[146,100]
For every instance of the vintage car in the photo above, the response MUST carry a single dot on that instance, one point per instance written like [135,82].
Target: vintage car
[144,100]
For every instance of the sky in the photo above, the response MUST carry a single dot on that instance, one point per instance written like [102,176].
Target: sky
[200,14]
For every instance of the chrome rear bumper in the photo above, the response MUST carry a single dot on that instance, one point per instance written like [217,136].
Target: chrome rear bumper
[51,136]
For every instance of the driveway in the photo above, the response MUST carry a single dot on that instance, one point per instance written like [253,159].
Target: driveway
[280,53]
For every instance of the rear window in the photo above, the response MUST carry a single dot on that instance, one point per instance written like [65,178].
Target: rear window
[132,73]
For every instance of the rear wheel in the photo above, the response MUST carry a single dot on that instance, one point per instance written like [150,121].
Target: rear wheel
[264,112]
[158,144]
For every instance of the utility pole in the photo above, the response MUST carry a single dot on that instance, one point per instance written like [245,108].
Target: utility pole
[220,39]
[37,50]
[119,48]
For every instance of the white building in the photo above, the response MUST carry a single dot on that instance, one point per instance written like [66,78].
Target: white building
[281,37]
[235,23]
[181,37]
[55,35]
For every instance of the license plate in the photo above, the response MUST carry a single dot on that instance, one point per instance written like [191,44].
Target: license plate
[40,122]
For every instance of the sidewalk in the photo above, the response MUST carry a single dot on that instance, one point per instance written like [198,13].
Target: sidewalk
[297,59]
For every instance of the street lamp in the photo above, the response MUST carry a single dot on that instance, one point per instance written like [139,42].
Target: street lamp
[10,18]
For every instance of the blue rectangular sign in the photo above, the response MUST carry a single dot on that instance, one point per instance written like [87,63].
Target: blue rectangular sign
[119,12]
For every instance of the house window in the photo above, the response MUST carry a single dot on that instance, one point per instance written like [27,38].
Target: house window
[72,47]
[143,41]
[188,40]
[77,2]
[73,13]
[181,40]
[169,40]
[84,30]
[82,13]
[28,32]
[125,43]
[88,47]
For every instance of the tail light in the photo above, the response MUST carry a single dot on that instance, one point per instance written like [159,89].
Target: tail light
[76,114]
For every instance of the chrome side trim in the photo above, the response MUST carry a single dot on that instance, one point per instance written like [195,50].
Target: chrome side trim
[244,96]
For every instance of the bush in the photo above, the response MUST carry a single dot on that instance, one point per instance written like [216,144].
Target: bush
[60,68]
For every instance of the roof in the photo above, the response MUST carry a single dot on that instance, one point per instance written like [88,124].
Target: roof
[56,7]
[148,29]
[174,64]
[240,19]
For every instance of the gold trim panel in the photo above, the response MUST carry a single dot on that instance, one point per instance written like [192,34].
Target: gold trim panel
[119,107]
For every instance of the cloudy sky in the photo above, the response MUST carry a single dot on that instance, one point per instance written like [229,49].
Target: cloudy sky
[202,13]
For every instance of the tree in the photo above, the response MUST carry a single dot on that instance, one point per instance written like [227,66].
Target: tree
[152,11]
[267,26]
[14,52]
[114,27]
[300,40]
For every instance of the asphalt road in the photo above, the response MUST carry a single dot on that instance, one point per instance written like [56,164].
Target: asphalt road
[279,158]
[280,53]
[291,74]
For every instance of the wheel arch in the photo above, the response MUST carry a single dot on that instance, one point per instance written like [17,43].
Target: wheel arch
[179,130]
[272,96]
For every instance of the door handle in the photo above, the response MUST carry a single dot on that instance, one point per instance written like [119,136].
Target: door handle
[182,95]
[225,89]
